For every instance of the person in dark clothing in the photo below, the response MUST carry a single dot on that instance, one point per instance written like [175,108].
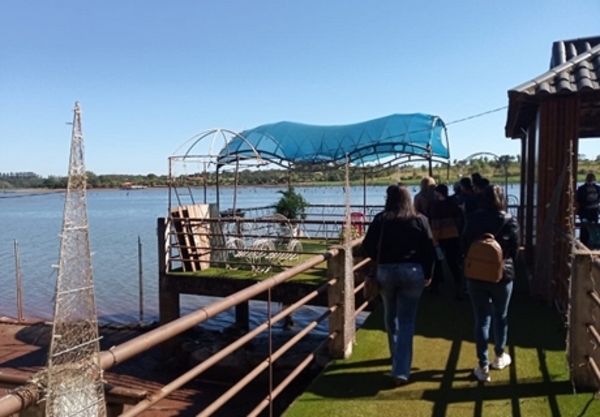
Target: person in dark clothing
[456,196]
[588,197]
[475,181]
[445,218]
[490,300]
[468,198]
[400,238]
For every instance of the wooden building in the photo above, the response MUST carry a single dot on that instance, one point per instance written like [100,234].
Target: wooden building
[549,114]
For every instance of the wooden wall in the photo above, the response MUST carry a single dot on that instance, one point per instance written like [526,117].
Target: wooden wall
[558,133]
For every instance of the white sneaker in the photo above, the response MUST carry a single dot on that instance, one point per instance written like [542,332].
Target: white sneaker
[482,374]
[502,361]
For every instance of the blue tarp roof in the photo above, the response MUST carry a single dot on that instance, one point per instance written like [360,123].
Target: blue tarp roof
[396,136]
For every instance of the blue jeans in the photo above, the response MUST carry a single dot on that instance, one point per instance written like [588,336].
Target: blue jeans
[400,286]
[490,305]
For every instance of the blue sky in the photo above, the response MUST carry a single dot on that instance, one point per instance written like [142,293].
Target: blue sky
[151,74]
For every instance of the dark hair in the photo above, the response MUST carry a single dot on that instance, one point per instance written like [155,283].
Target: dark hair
[442,189]
[466,184]
[476,177]
[398,203]
[492,198]
[484,182]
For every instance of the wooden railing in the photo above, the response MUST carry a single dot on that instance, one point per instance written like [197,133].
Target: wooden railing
[341,312]
[584,319]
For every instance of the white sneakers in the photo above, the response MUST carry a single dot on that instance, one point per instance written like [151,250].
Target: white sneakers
[482,374]
[501,362]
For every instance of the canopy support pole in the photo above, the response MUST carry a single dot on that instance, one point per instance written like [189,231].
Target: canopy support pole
[429,160]
[170,183]
[204,182]
[217,185]
[235,184]
[364,190]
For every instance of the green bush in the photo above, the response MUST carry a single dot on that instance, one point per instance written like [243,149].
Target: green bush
[291,204]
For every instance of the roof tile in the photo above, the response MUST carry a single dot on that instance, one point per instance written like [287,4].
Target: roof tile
[574,66]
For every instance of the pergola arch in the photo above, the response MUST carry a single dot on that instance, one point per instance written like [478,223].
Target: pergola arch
[386,141]
[375,141]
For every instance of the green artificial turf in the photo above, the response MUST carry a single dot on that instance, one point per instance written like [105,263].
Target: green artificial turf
[537,384]
[312,276]
[310,248]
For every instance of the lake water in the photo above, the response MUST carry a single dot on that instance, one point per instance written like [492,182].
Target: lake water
[116,219]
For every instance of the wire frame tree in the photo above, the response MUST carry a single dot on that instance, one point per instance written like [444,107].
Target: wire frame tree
[74,384]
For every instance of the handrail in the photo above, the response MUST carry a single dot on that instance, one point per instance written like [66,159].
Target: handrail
[264,364]
[140,344]
[292,375]
[24,396]
[197,370]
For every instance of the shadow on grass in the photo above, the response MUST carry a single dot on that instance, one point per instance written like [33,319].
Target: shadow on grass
[531,323]
[347,381]
[531,326]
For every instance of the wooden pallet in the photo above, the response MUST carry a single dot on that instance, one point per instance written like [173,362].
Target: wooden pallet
[192,236]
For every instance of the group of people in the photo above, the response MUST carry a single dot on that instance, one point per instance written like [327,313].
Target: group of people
[410,239]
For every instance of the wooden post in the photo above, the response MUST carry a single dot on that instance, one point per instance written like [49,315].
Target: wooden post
[141,279]
[242,315]
[530,226]
[341,294]
[581,311]
[19,283]
[168,300]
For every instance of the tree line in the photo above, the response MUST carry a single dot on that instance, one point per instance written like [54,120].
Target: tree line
[498,169]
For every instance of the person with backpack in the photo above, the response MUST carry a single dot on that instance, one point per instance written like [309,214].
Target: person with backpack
[490,240]
[400,240]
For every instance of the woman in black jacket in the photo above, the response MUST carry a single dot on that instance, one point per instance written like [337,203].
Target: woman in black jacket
[490,300]
[446,220]
[401,240]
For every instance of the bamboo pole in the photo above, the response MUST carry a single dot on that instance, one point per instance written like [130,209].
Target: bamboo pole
[141,279]
[19,283]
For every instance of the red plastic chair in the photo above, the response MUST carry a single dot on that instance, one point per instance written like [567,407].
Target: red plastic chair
[358,219]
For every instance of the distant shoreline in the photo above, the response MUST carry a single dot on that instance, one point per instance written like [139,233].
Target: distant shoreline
[410,183]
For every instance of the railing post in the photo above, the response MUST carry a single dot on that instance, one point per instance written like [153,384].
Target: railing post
[342,295]
[168,300]
[581,311]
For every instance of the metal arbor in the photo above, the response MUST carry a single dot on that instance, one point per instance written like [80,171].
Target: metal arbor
[74,384]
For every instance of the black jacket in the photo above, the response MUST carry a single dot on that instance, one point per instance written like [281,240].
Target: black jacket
[588,197]
[503,225]
[402,242]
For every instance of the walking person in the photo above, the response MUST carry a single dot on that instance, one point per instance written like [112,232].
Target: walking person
[425,195]
[446,218]
[490,300]
[468,197]
[400,238]
[422,201]
[588,197]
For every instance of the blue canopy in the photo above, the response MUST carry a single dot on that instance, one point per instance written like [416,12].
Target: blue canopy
[396,136]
